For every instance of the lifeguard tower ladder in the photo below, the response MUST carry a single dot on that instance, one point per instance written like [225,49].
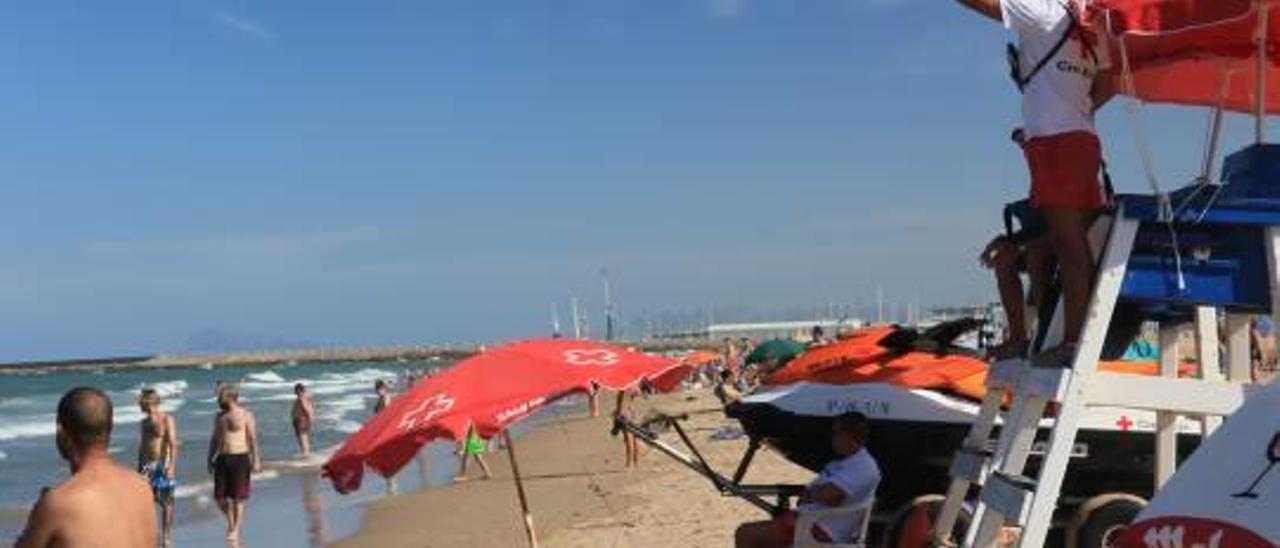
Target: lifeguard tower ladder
[1216,249]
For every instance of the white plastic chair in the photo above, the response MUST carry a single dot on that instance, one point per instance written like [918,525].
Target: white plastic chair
[806,519]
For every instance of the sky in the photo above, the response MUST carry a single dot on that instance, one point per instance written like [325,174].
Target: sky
[337,172]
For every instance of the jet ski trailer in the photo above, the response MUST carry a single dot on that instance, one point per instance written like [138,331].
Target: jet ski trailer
[915,434]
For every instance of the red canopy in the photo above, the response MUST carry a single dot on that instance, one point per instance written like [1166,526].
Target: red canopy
[1186,51]
[491,390]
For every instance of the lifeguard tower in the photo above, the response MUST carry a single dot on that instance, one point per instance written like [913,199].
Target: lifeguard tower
[1205,255]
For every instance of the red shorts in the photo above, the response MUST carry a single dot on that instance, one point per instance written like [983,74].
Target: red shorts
[1064,170]
[785,525]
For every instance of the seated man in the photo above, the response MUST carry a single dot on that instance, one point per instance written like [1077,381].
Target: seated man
[1008,254]
[850,480]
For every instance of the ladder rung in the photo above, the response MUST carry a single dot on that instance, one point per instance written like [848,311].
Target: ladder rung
[970,464]
[1005,374]
[1049,383]
[1185,396]
[1010,496]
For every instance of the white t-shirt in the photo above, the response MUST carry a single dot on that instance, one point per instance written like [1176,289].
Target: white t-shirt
[1057,99]
[857,475]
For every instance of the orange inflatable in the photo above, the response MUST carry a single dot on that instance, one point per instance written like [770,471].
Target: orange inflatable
[860,358]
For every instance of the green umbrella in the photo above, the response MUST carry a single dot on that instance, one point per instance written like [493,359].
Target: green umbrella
[779,351]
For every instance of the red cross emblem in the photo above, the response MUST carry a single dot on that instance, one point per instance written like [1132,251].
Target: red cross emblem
[1124,423]
[591,357]
[426,410]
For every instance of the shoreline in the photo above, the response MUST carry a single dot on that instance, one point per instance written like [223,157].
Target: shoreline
[579,493]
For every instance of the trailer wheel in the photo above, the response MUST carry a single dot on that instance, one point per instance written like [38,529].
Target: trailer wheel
[912,524]
[1103,525]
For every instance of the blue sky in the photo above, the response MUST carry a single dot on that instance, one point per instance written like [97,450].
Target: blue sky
[414,171]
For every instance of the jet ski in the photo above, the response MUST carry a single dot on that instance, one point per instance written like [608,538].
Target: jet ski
[921,394]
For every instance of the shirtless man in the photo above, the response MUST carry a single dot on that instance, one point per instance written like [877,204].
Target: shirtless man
[233,456]
[158,457]
[302,414]
[103,503]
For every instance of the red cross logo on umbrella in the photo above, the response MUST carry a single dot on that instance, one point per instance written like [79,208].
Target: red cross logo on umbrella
[591,357]
[426,410]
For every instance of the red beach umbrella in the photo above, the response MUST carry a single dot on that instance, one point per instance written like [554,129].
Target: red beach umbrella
[490,392]
[1192,52]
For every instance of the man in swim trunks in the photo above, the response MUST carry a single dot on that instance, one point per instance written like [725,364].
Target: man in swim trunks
[102,503]
[233,456]
[1063,80]
[158,457]
[302,414]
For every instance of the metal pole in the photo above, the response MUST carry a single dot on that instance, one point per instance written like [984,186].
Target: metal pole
[1260,100]
[577,321]
[608,306]
[1211,152]
[524,502]
[555,321]
[879,304]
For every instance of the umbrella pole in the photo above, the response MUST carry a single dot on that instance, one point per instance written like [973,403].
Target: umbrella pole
[524,501]
[1260,99]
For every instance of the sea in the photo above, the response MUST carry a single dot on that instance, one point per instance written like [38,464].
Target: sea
[291,505]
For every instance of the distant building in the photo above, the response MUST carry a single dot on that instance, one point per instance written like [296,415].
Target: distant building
[800,330]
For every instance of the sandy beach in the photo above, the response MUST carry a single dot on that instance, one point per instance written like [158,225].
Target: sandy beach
[580,494]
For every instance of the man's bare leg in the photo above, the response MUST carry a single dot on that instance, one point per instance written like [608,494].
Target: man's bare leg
[1070,243]
[1009,284]
[304,440]
[462,467]
[166,520]
[633,447]
[484,466]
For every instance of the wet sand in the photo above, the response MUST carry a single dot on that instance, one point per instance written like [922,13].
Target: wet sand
[580,494]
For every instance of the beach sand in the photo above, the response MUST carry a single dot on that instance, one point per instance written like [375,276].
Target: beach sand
[580,494]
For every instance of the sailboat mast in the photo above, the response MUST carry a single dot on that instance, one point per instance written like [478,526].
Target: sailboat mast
[608,306]
[577,319]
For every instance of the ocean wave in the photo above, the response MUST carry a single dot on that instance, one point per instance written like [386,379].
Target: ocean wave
[270,377]
[367,374]
[3,455]
[347,426]
[327,384]
[205,488]
[28,427]
[9,403]
[169,389]
[189,490]
[131,413]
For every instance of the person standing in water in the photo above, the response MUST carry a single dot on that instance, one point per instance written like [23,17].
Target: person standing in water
[302,414]
[383,390]
[158,457]
[102,503]
[233,457]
